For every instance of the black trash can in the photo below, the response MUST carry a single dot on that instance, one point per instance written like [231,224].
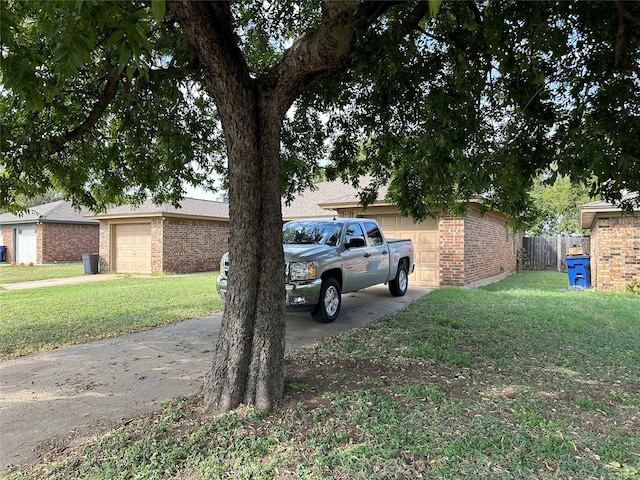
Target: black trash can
[90,261]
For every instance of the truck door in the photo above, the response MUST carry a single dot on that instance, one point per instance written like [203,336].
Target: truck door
[355,259]
[378,268]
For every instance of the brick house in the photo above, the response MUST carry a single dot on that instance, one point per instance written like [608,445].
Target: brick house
[49,233]
[470,251]
[615,244]
[467,252]
[164,239]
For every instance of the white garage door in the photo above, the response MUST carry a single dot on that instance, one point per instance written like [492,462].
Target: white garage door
[425,242]
[25,245]
[133,248]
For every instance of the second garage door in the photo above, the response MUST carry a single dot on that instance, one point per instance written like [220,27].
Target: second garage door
[26,245]
[133,248]
[424,236]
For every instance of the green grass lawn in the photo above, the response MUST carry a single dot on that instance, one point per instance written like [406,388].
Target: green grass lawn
[43,318]
[24,273]
[517,380]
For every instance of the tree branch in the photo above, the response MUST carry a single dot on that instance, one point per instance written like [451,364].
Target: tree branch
[629,16]
[319,54]
[432,36]
[108,94]
[113,79]
[209,29]
[621,60]
[412,22]
[315,55]
[177,73]
[375,9]
[476,12]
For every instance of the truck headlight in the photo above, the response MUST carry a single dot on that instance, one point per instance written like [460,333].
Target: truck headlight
[302,271]
[224,264]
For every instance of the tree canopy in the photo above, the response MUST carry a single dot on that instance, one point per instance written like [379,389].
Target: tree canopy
[557,207]
[98,101]
[105,101]
[112,102]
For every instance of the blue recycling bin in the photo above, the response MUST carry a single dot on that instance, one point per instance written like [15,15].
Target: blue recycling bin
[3,252]
[579,269]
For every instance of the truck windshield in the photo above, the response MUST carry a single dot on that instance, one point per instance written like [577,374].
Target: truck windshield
[312,233]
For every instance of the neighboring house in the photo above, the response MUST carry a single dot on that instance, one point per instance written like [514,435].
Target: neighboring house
[615,244]
[470,251]
[162,238]
[449,250]
[49,233]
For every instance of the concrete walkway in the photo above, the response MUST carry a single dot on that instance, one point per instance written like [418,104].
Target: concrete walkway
[73,392]
[61,281]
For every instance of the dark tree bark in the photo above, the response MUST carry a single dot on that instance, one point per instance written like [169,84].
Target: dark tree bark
[249,356]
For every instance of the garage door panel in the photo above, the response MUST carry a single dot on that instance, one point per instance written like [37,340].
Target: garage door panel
[133,248]
[387,221]
[26,245]
[424,236]
[428,257]
[429,239]
[427,278]
[407,223]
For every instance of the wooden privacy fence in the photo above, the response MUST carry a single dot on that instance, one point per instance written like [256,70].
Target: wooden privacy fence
[550,253]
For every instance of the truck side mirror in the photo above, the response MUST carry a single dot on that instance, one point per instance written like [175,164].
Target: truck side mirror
[355,243]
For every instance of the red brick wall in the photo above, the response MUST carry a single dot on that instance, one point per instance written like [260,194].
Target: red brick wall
[193,245]
[594,253]
[490,246]
[104,246]
[177,245]
[157,246]
[63,242]
[615,252]
[476,248]
[57,242]
[451,238]
[7,241]
[39,229]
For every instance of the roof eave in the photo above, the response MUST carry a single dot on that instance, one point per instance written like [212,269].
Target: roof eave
[353,204]
[36,221]
[124,216]
[588,215]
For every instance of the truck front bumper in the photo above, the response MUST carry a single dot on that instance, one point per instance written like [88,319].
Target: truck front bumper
[221,286]
[299,296]
[302,296]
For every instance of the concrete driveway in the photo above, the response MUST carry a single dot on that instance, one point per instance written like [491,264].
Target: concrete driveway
[75,391]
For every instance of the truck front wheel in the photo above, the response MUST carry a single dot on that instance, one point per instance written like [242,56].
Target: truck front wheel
[328,307]
[398,286]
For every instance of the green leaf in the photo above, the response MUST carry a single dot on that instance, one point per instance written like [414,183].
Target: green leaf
[434,6]
[158,8]
[124,59]
[6,24]
[114,38]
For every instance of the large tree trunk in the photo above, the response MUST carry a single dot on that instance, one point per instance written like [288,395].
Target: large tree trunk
[248,364]
[249,358]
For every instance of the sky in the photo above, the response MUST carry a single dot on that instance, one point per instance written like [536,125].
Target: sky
[196,192]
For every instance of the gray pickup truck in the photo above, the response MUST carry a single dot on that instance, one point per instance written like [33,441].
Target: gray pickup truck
[326,258]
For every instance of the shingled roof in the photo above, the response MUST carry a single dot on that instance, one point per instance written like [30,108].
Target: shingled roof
[189,207]
[323,199]
[589,211]
[320,201]
[59,211]
[316,202]
[305,205]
